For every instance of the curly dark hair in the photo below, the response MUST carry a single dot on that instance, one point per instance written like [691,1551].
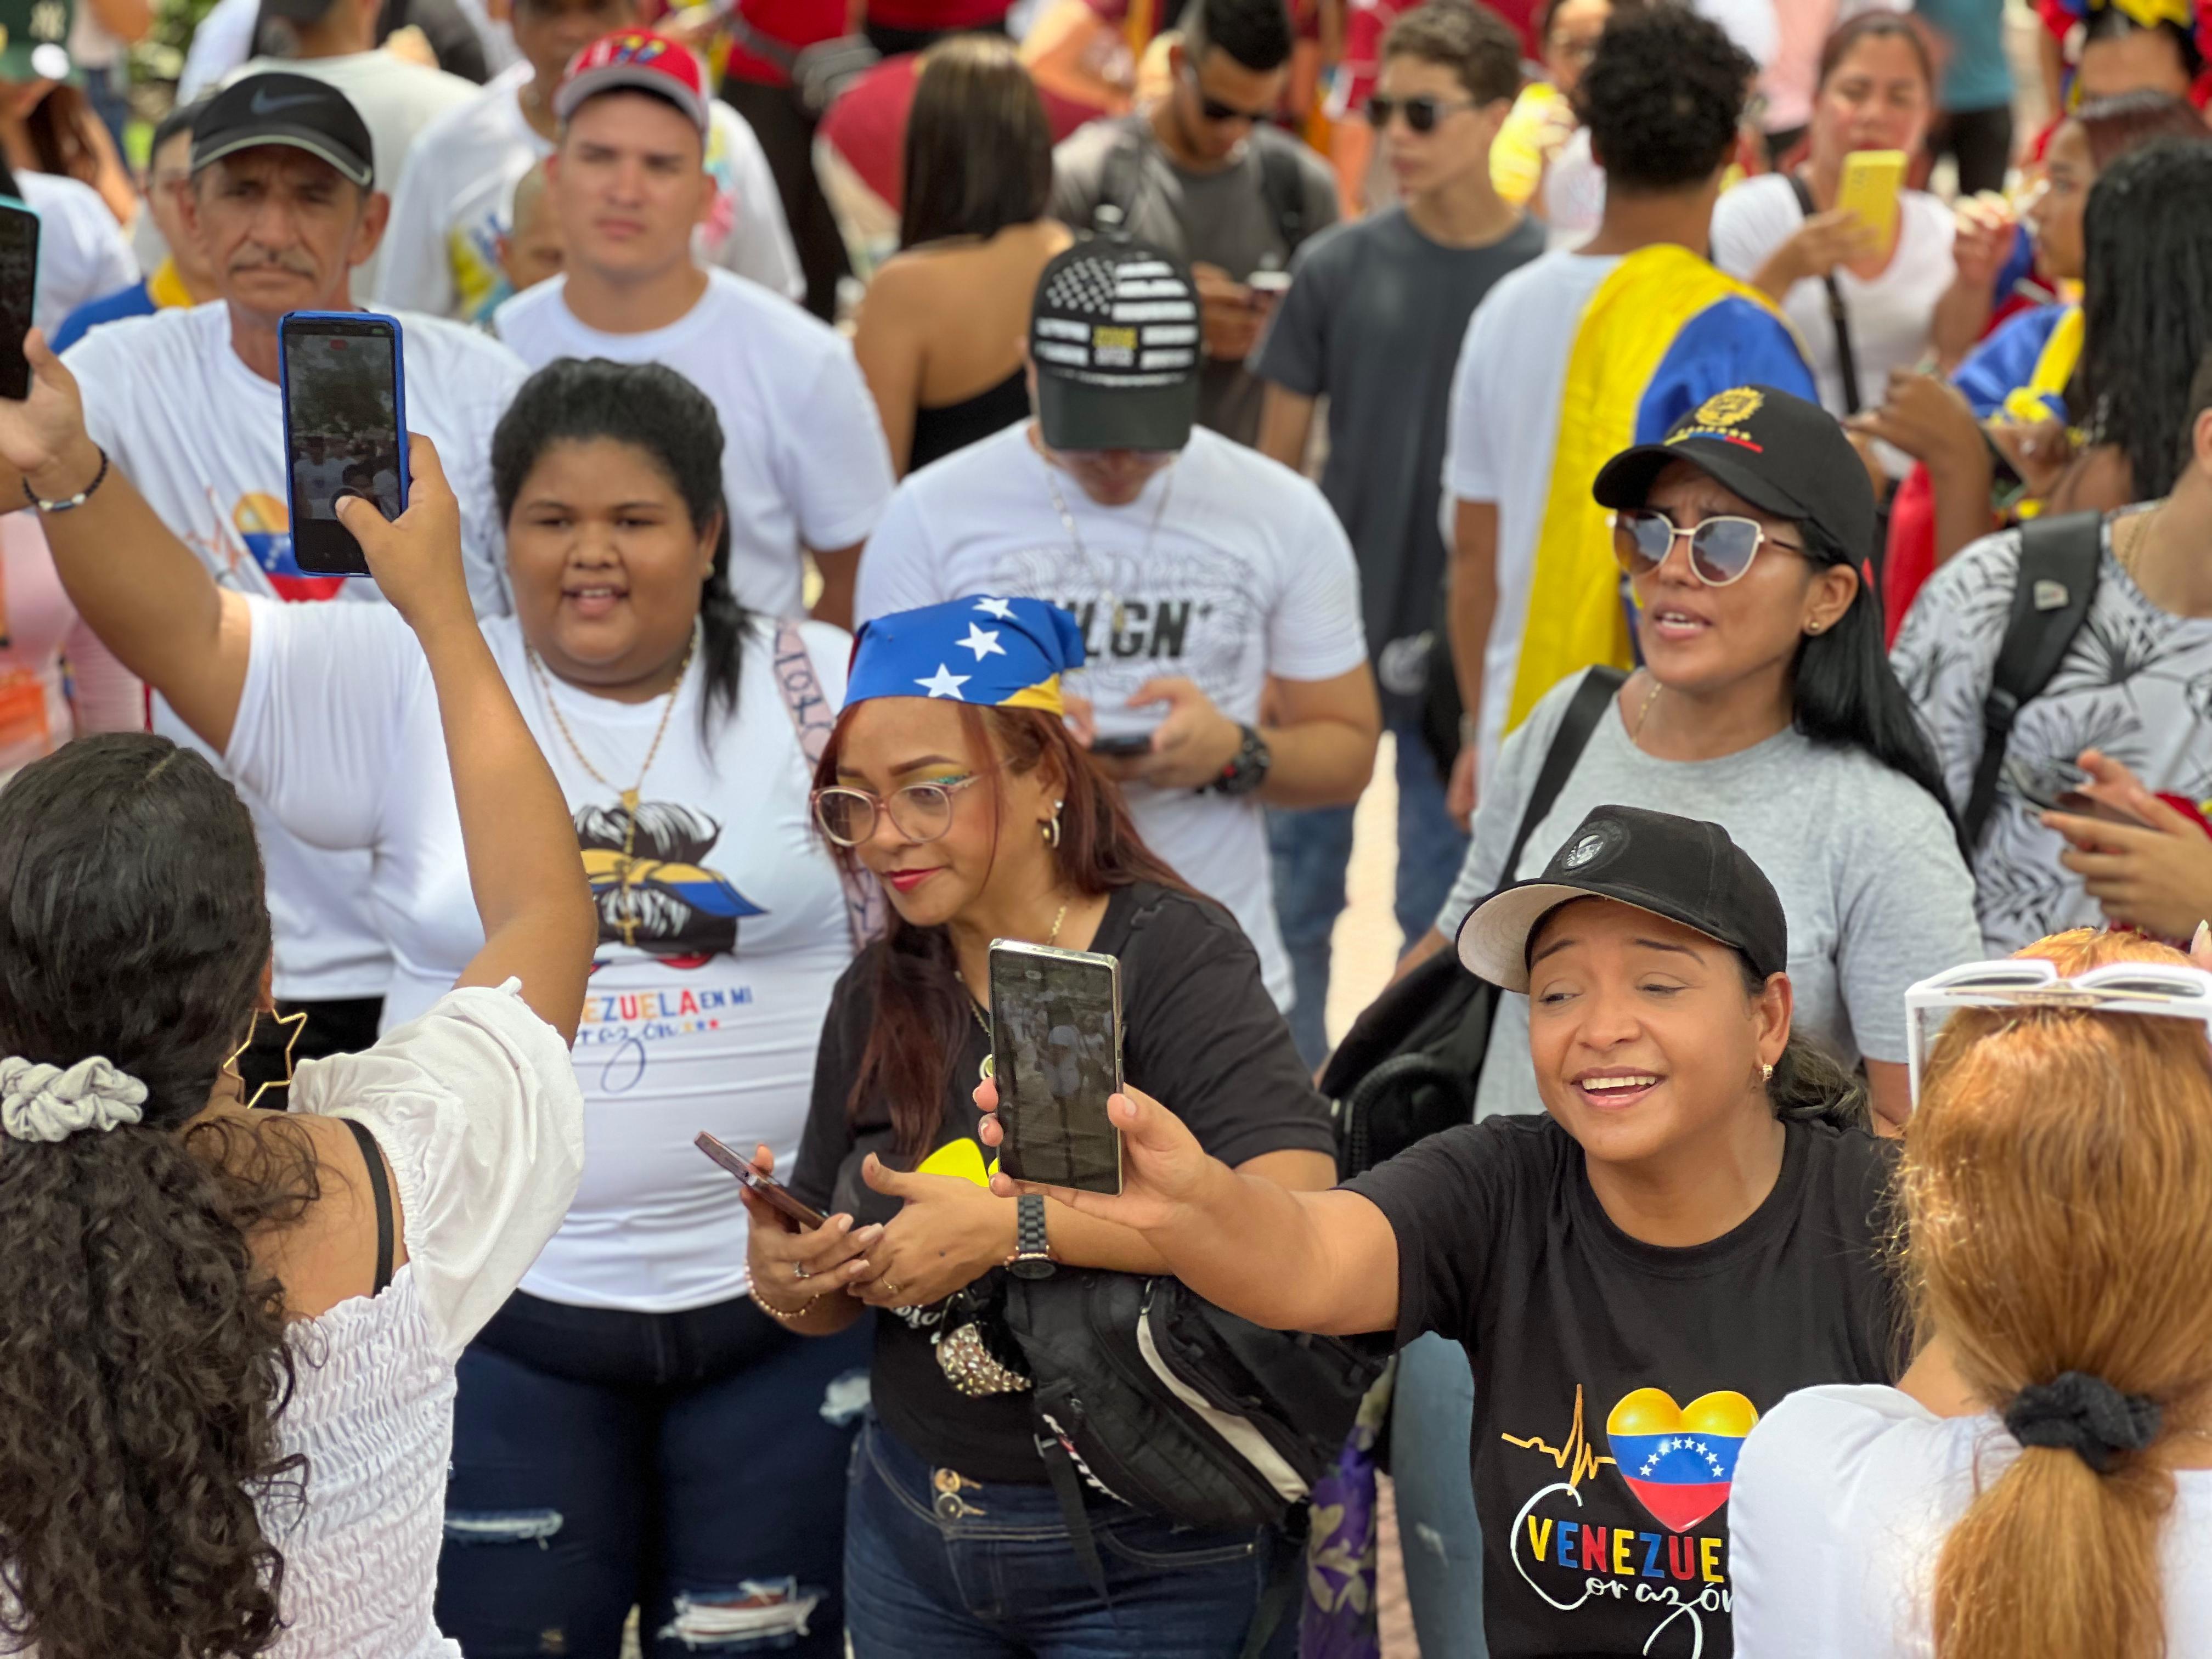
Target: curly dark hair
[143,1355]
[2146,304]
[1661,99]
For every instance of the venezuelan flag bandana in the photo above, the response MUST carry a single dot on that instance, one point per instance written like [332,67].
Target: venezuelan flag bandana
[995,653]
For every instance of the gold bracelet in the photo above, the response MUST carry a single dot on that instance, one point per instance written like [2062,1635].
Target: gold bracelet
[778,1313]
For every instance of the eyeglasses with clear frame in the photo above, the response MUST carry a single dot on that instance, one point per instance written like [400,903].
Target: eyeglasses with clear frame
[920,812]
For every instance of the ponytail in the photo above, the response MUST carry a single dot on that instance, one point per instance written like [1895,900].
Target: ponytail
[142,1353]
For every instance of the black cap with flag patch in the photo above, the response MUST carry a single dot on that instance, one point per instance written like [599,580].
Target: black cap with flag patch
[1683,869]
[1116,337]
[1783,455]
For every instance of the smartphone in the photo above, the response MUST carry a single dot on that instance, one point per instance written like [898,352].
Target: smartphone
[1872,179]
[770,1191]
[2058,789]
[345,429]
[19,285]
[1056,1053]
[1138,743]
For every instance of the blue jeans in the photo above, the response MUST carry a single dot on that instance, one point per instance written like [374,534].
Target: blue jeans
[940,1567]
[1432,1417]
[1312,849]
[683,1463]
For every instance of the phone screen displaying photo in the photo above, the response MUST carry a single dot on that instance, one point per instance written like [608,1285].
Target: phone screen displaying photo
[1056,1046]
[19,280]
[343,432]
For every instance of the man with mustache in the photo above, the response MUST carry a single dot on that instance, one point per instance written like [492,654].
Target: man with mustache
[283,203]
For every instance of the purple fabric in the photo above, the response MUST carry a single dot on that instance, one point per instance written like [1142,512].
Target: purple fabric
[1337,1620]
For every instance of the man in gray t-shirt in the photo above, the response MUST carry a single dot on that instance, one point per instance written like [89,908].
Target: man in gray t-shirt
[1203,174]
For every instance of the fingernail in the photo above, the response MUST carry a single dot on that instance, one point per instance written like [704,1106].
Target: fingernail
[844,1224]
[869,1233]
[2200,937]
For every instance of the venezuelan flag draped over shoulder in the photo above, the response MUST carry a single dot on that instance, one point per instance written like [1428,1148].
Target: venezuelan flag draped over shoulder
[1664,332]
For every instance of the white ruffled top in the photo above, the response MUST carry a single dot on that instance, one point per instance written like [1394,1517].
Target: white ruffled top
[476,1108]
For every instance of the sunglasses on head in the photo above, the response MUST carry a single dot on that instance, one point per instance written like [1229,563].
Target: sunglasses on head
[1217,111]
[1422,112]
[1721,548]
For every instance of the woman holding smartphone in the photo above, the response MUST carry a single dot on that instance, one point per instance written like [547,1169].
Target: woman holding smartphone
[605,1404]
[1688,1232]
[952,778]
[232,1333]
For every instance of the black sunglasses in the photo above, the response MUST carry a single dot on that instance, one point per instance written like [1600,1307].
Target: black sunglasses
[1422,112]
[1217,111]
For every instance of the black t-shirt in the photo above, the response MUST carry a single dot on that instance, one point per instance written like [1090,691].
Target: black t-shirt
[1614,1380]
[1199,1033]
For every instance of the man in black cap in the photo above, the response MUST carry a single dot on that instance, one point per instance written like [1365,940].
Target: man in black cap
[1201,572]
[284,205]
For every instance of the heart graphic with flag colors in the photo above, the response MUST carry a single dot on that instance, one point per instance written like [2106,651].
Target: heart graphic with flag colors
[1680,1460]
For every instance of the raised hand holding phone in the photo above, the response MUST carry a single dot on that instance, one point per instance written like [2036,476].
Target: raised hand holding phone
[19,283]
[1164,1168]
[42,436]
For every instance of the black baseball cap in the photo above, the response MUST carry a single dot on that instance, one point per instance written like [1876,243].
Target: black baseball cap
[1114,335]
[1781,454]
[297,111]
[1683,869]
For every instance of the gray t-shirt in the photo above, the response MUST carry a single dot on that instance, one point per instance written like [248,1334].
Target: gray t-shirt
[1361,324]
[1220,218]
[1866,865]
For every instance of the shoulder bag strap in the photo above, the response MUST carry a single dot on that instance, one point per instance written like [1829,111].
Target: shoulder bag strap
[2057,579]
[1121,182]
[380,1187]
[1839,314]
[811,719]
[1591,699]
[1284,186]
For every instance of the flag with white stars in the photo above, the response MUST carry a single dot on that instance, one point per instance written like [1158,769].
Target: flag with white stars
[994,653]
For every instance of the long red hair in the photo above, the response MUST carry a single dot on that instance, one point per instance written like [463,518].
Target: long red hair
[2055,1184]
[922,1008]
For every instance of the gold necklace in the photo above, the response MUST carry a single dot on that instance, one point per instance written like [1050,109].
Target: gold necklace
[630,796]
[1644,713]
[976,1008]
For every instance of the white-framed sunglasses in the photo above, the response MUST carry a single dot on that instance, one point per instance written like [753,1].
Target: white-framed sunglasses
[2162,990]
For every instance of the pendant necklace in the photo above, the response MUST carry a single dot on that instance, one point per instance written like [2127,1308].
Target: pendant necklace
[983,1072]
[1109,601]
[628,920]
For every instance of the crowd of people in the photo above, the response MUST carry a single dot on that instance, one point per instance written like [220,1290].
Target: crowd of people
[1783,621]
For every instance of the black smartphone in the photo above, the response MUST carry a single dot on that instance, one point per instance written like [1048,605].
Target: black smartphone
[1056,1053]
[1139,743]
[345,429]
[19,287]
[771,1192]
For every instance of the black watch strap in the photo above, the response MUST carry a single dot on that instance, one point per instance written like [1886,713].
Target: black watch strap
[1247,769]
[1032,1257]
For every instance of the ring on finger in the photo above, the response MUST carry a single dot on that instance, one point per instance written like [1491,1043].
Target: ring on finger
[799,1271]
[891,1289]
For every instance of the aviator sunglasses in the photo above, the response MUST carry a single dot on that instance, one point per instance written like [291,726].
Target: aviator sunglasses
[1422,112]
[1721,548]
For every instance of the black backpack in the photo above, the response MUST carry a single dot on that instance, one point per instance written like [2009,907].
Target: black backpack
[2058,579]
[1409,1065]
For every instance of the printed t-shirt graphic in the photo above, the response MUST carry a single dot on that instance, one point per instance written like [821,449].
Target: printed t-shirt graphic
[660,896]
[1567,361]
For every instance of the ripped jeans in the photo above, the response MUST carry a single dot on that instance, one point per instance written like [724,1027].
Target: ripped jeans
[689,1464]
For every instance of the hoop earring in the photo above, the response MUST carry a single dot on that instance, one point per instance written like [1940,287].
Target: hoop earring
[1050,827]
[295,1023]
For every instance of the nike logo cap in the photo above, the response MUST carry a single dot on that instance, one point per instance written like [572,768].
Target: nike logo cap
[296,111]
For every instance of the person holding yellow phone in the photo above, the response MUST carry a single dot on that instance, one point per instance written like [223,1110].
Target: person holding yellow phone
[1851,254]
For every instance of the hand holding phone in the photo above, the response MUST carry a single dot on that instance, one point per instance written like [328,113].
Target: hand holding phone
[765,1186]
[1135,743]
[1871,181]
[345,429]
[19,287]
[1056,1054]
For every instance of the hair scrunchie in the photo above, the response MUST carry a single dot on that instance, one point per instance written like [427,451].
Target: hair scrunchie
[40,1102]
[2085,1415]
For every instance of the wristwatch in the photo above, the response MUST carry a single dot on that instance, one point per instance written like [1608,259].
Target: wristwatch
[1247,769]
[1032,1256]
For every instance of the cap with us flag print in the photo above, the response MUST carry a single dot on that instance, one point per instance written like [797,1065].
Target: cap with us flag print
[1115,337]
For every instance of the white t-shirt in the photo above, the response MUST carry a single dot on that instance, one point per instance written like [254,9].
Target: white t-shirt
[82,255]
[1842,1498]
[397,97]
[202,436]
[803,460]
[710,1022]
[1890,314]
[222,40]
[1504,425]
[455,202]
[1227,569]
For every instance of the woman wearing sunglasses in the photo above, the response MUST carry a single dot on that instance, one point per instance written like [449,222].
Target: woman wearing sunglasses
[1764,700]
[951,777]
[2040,1482]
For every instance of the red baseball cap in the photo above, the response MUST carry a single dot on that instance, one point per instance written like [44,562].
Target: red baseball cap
[641,60]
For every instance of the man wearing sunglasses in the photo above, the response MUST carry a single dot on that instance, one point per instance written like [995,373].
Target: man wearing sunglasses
[1205,173]
[1361,324]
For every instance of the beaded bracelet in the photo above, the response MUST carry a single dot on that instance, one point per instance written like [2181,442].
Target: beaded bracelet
[71,502]
[778,1313]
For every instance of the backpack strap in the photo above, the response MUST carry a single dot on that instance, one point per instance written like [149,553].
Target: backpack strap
[1592,698]
[1283,184]
[2057,579]
[1121,180]
[811,719]
[1839,315]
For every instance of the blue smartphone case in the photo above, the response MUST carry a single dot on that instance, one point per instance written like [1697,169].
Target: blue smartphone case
[290,556]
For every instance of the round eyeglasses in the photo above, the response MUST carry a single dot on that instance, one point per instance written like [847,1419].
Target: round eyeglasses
[920,812]
[1721,548]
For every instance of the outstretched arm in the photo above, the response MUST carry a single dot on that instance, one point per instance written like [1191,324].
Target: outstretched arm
[1290,1260]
